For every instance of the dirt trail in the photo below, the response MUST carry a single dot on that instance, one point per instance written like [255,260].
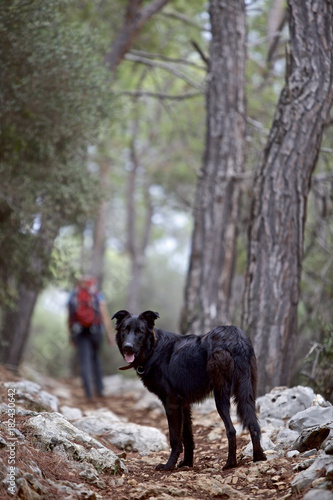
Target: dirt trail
[206,480]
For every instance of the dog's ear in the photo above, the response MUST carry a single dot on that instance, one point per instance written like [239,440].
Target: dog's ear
[120,316]
[149,317]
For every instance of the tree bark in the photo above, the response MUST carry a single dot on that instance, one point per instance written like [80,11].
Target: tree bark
[212,260]
[278,214]
[16,326]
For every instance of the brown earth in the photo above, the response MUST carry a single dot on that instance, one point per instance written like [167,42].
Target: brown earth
[206,480]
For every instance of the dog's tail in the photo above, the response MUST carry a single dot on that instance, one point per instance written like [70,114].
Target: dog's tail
[245,391]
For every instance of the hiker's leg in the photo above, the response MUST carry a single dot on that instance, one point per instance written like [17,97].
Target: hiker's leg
[96,363]
[84,355]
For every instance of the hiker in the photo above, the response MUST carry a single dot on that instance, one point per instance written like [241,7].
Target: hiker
[87,315]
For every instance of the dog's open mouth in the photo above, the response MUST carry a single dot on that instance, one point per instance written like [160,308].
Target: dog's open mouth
[129,358]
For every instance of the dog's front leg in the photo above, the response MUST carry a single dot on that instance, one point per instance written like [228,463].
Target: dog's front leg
[174,415]
[187,438]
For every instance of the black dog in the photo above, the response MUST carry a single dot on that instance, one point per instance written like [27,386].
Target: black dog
[182,370]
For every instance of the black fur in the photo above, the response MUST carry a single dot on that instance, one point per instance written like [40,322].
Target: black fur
[182,370]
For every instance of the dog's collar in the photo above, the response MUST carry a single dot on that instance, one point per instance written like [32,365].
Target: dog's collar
[140,369]
[127,367]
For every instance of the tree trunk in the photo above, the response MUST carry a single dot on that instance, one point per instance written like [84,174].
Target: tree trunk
[98,250]
[16,326]
[278,214]
[136,246]
[136,15]
[212,261]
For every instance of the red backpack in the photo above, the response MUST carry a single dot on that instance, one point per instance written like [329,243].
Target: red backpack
[84,307]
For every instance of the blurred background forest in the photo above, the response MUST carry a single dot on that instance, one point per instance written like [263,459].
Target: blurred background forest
[103,135]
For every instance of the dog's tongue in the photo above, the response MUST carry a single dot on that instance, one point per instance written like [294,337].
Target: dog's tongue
[129,358]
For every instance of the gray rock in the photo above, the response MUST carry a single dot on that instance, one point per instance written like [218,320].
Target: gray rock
[318,469]
[19,412]
[104,413]
[71,413]
[318,494]
[117,385]
[89,473]
[329,448]
[282,403]
[31,396]
[285,438]
[329,471]
[311,437]
[126,436]
[55,433]
[311,417]
[149,401]
[266,444]
[292,453]
[214,486]
[205,407]
[74,491]
[310,453]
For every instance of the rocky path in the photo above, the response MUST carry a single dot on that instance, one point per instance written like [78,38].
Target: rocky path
[46,472]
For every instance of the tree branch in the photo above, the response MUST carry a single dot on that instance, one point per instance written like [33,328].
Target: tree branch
[184,19]
[158,95]
[135,18]
[167,67]
[151,55]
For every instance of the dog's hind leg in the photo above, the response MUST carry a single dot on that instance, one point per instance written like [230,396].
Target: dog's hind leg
[174,415]
[188,440]
[220,369]
[245,394]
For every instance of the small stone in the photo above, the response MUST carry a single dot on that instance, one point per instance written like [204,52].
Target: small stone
[329,449]
[293,453]
[310,453]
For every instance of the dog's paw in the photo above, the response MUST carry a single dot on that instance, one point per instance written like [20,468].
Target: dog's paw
[164,467]
[258,457]
[185,463]
[229,465]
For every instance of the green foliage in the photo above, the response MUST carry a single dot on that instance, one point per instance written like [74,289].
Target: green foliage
[54,95]
[49,348]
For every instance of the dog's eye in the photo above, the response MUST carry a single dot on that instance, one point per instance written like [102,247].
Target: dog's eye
[139,333]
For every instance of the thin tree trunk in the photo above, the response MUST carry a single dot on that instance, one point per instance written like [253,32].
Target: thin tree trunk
[97,258]
[212,261]
[136,15]
[16,326]
[136,246]
[278,215]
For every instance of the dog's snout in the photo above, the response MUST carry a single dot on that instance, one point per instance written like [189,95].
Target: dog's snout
[128,347]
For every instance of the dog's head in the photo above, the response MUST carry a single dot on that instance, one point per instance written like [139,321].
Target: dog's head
[135,336]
